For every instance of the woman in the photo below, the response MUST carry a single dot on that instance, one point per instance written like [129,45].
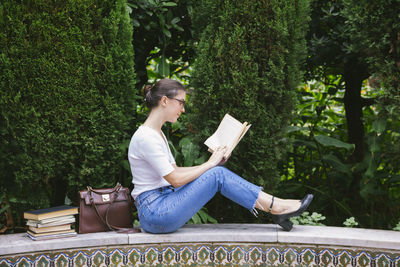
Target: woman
[166,195]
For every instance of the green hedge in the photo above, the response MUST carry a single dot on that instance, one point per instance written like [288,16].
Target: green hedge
[248,65]
[66,98]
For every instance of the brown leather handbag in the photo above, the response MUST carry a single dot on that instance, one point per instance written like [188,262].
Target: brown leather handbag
[106,209]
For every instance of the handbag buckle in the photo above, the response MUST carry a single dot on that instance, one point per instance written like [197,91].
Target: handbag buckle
[105,197]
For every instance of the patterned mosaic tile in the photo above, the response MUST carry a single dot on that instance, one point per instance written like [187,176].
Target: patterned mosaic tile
[243,254]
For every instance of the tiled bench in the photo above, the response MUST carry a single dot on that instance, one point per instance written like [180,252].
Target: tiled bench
[212,244]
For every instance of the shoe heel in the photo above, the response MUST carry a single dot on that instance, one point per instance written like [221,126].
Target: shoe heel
[275,218]
[287,225]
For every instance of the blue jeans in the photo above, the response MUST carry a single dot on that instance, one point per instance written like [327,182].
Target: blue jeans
[166,209]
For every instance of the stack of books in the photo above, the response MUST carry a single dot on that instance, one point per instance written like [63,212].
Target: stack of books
[51,223]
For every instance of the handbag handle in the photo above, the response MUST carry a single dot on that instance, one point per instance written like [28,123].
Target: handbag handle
[117,187]
[105,222]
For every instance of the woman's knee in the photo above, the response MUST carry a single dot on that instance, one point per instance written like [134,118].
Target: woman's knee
[217,170]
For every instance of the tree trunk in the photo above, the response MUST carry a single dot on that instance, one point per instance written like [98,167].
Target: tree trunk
[353,105]
[353,102]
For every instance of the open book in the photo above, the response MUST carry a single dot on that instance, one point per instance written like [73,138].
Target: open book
[229,132]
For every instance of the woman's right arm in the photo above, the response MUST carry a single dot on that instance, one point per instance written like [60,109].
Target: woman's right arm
[183,175]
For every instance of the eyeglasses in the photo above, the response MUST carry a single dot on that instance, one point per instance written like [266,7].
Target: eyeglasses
[181,101]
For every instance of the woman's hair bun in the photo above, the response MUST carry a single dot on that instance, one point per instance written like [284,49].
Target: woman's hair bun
[146,89]
[147,92]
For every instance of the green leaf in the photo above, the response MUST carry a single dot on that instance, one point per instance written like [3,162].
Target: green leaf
[169,4]
[205,217]
[153,75]
[189,151]
[129,9]
[330,141]
[290,129]
[166,32]
[333,161]
[300,142]
[196,219]
[163,67]
[175,20]
[379,125]
[178,27]
[371,167]
[135,23]
[173,149]
[373,144]
[132,5]
[212,220]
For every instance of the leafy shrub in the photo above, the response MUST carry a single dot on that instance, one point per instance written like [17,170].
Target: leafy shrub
[66,98]
[315,219]
[350,222]
[307,219]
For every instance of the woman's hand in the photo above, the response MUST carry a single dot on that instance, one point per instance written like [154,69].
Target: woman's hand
[217,156]
[224,160]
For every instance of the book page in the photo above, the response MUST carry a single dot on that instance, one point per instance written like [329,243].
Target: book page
[244,130]
[227,134]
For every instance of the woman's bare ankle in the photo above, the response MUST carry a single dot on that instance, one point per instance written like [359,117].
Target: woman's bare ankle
[285,206]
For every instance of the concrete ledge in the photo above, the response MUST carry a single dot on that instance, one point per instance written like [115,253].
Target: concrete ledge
[342,236]
[14,244]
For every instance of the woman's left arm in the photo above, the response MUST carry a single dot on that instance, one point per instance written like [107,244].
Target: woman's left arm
[183,175]
[184,168]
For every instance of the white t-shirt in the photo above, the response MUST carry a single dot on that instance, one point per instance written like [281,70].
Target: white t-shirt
[150,159]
